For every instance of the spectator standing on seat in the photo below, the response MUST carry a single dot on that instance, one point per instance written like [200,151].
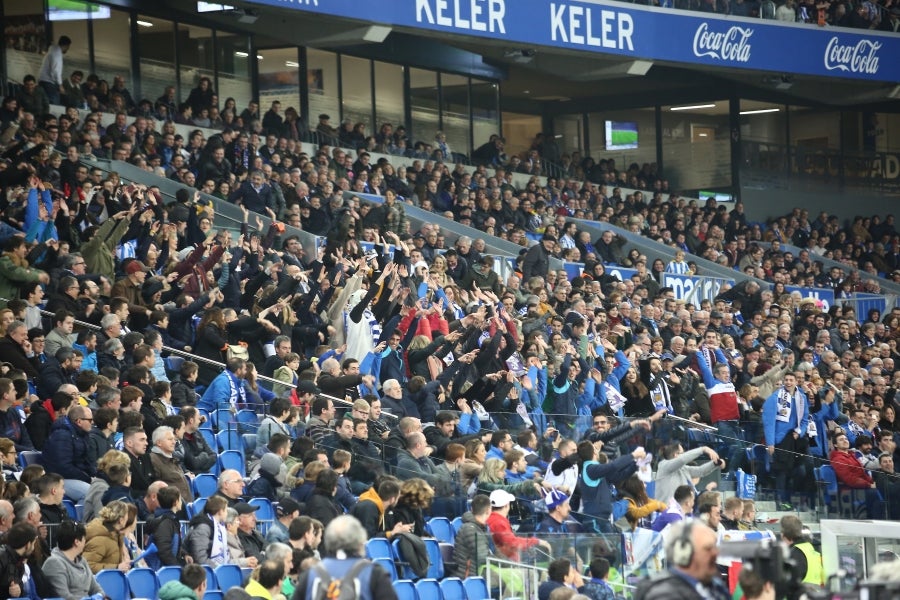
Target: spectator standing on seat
[785,418]
[50,76]
[723,402]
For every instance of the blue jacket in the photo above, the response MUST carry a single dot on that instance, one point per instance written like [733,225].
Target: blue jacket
[65,451]
[595,483]
[776,430]
[226,388]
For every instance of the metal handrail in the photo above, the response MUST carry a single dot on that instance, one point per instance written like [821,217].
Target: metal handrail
[214,363]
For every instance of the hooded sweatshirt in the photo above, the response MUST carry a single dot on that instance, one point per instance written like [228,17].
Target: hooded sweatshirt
[71,580]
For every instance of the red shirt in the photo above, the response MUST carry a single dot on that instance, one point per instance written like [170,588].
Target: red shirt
[507,543]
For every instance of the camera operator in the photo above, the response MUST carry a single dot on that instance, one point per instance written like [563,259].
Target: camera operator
[693,573]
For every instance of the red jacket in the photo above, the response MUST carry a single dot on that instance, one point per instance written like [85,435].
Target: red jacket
[848,470]
[507,543]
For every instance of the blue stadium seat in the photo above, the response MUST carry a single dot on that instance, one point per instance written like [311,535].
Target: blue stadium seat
[114,583]
[195,508]
[476,588]
[265,513]
[70,508]
[207,424]
[405,590]
[441,528]
[379,548]
[232,459]
[28,457]
[457,524]
[213,595]
[229,440]
[143,583]
[79,512]
[205,485]
[210,438]
[405,572]
[388,565]
[247,421]
[173,363]
[229,576]
[428,588]
[436,560]
[246,572]
[211,582]
[452,588]
[249,440]
[167,574]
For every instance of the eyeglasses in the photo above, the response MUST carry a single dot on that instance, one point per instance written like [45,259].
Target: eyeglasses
[85,419]
[600,422]
[241,481]
[78,263]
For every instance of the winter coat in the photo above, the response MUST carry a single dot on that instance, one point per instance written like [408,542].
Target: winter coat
[92,502]
[39,422]
[675,472]
[471,547]
[198,456]
[166,532]
[100,251]
[175,590]
[13,277]
[168,470]
[66,452]
[102,548]
[322,507]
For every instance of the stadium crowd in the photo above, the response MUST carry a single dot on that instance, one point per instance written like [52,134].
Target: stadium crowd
[407,381]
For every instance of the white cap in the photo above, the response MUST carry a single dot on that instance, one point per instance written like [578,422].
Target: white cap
[500,498]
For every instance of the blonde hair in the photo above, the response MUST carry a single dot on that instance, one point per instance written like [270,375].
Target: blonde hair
[113,512]
[416,493]
[419,342]
[113,457]
[494,470]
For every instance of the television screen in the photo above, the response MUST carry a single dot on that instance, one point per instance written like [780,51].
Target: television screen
[70,10]
[621,135]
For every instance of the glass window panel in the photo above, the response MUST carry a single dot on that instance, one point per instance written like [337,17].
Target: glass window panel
[322,79]
[196,55]
[389,107]
[569,131]
[762,136]
[279,79]
[24,36]
[423,98]
[112,49]
[356,80]
[78,58]
[233,52]
[696,146]
[455,95]
[156,40]
[485,113]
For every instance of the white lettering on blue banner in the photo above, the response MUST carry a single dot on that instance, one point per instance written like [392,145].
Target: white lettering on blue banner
[731,45]
[469,15]
[861,57]
[580,25]
[694,289]
[823,295]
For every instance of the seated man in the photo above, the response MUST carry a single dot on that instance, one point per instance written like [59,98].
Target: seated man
[66,571]
[227,389]
[508,543]
[851,474]
[191,584]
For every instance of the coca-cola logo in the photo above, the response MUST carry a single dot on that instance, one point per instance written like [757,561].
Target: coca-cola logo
[732,45]
[861,57]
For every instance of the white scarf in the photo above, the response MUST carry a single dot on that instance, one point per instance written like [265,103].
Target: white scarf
[792,400]
[219,553]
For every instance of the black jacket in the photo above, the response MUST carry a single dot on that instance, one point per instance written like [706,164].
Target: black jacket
[142,474]
[322,507]
[12,570]
[166,532]
[198,456]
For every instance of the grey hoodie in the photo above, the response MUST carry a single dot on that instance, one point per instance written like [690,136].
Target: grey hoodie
[70,580]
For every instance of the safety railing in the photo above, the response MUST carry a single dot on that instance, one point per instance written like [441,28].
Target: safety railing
[513,580]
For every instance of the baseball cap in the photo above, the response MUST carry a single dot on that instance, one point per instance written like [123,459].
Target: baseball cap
[308,387]
[500,498]
[667,356]
[243,508]
[287,506]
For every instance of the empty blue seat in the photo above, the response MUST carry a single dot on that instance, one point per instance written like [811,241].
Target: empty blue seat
[210,438]
[388,565]
[173,363]
[436,568]
[247,421]
[229,576]
[205,485]
[249,440]
[70,508]
[167,574]
[229,439]
[211,582]
[452,588]
[441,528]
[265,513]
[213,595]
[195,508]
[476,588]
[232,459]
[379,548]
[143,583]
[428,588]
[405,590]
[114,583]
[457,524]
[28,457]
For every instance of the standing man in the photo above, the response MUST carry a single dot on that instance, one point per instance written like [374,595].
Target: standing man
[723,403]
[807,562]
[51,74]
[785,418]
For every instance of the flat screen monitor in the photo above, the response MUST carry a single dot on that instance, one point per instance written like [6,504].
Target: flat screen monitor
[621,135]
[212,7]
[70,10]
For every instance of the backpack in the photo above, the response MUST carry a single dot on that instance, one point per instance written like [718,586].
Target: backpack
[413,552]
[321,586]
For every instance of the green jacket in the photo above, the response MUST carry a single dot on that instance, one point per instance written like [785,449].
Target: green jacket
[99,252]
[13,277]
[175,590]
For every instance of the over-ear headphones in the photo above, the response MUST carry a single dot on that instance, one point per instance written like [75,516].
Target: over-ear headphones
[683,547]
